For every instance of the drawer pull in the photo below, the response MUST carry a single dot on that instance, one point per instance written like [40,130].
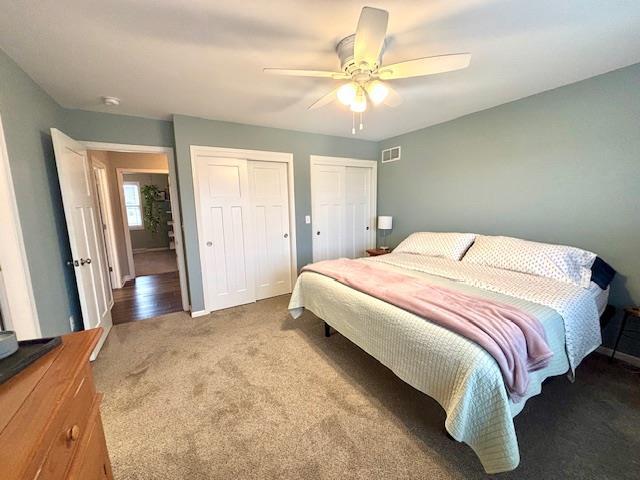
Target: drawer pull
[73,433]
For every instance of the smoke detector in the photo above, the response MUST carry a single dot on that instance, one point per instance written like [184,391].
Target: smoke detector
[111,101]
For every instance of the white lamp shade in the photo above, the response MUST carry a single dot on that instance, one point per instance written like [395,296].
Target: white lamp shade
[385,222]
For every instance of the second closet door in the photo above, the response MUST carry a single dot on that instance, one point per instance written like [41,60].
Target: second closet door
[327,211]
[269,198]
[357,212]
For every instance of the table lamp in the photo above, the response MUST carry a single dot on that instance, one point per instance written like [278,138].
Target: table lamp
[384,223]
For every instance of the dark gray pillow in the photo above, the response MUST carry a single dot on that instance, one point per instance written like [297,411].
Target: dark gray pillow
[602,273]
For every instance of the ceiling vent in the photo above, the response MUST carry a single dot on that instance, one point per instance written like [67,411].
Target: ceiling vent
[391,154]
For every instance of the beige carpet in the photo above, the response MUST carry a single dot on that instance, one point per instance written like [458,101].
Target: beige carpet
[249,393]
[155,262]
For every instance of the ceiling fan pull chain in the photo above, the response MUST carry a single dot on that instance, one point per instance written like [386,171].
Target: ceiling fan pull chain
[361,124]
[353,123]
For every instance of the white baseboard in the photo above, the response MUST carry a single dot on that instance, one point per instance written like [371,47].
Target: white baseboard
[199,313]
[625,357]
[120,285]
[155,249]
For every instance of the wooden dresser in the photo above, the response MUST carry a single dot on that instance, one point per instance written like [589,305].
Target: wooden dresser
[50,426]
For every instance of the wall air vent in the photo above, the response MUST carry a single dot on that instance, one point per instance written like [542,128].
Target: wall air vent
[391,154]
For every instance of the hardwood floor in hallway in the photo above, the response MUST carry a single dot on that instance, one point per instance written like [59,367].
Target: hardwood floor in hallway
[147,296]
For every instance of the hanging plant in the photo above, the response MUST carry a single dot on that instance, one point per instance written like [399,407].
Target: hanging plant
[151,213]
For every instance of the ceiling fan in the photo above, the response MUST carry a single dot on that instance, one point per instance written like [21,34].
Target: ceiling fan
[361,64]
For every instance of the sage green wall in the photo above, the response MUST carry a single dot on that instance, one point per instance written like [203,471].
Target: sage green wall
[196,131]
[27,115]
[111,128]
[562,166]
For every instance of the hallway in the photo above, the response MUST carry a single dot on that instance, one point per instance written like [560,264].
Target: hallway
[147,296]
[155,262]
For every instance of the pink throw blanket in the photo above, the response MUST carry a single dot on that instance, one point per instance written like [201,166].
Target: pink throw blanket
[515,339]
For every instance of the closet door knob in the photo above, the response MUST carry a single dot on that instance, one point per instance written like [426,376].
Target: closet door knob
[88,261]
[82,262]
[318,232]
[209,244]
[367,228]
[286,235]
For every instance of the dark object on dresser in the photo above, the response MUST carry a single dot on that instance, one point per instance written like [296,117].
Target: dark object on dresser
[50,426]
[28,352]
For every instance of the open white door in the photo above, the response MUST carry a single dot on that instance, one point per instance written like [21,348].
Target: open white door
[83,224]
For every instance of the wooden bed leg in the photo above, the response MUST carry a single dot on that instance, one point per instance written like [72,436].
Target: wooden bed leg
[449,435]
[327,330]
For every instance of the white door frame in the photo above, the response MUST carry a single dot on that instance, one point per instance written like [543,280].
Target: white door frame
[175,204]
[18,303]
[106,214]
[350,162]
[259,155]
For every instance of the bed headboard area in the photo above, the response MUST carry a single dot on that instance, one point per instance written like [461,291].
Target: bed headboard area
[560,167]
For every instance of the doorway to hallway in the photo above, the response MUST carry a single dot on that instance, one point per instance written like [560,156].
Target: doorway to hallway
[146,232]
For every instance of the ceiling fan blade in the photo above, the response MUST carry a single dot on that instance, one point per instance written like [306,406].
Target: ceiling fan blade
[306,73]
[425,66]
[372,29]
[326,100]
[393,98]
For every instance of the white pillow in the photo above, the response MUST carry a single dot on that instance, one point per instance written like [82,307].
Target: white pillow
[437,244]
[563,263]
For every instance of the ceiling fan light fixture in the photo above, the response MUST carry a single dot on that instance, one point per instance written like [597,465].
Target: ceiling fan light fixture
[347,93]
[364,75]
[359,103]
[377,91]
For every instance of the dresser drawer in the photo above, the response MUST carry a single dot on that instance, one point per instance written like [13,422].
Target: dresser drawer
[76,412]
[92,461]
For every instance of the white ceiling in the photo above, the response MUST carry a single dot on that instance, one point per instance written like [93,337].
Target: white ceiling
[205,57]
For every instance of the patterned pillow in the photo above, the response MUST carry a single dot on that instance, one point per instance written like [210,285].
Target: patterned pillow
[566,264]
[436,244]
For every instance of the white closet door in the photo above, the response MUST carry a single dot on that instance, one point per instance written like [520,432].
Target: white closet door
[328,211]
[269,195]
[358,220]
[225,238]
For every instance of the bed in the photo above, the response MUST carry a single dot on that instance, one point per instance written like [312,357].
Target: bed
[456,372]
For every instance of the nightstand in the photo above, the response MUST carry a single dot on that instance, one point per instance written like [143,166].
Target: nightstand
[633,312]
[374,252]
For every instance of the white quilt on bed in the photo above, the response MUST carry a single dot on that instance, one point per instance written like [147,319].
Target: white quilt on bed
[456,372]
[575,304]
